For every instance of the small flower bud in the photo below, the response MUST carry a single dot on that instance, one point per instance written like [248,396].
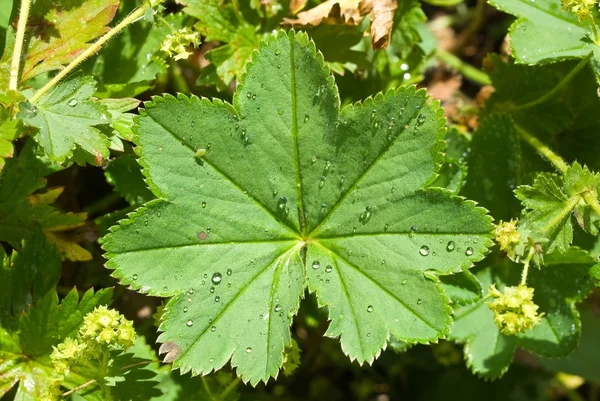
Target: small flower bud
[514,309]
[175,44]
[508,237]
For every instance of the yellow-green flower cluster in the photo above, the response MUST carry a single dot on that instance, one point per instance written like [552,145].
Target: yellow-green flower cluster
[107,326]
[508,237]
[176,44]
[101,327]
[582,8]
[514,309]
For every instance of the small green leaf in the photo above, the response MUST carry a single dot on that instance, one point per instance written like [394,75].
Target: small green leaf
[545,33]
[462,288]
[559,285]
[66,117]
[453,173]
[548,212]
[292,192]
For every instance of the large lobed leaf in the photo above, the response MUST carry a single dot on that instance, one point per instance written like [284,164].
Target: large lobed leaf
[281,191]
[562,282]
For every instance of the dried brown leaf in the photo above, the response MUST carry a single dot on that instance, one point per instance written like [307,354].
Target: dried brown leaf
[342,12]
[381,14]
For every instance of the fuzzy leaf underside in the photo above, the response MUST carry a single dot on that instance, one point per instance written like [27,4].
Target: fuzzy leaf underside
[561,283]
[283,190]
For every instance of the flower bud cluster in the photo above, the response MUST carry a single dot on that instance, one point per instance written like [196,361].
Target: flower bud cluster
[514,309]
[582,8]
[508,237]
[176,44]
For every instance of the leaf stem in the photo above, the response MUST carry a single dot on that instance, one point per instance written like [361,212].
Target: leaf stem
[228,389]
[465,69]
[134,16]
[15,65]
[567,78]
[526,265]
[592,200]
[84,385]
[165,22]
[544,150]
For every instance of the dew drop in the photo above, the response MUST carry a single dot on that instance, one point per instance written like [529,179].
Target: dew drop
[316,264]
[450,246]
[386,227]
[203,205]
[248,95]
[280,112]
[254,97]
[404,281]
[135,276]
[328,269]
[420,119]
[191,291]
[165,288]
[306,118]
[424,250]
[277,52]
[216,278]
[366,215]
[185,309]
[469,251]
[277,308]
[211,289]
[370,308]
[248,350]
[214,328]
[229,272]
[419,301]
[72,102]
[189,323]
[217,298]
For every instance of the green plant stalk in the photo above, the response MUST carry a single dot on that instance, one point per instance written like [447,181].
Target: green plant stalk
[545,151]
[15,65]
[526,265]
[592,201]
[465,69]
[93,49]
[553,91]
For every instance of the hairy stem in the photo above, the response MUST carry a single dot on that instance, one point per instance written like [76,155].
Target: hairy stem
[84,385]
[548,95]
[134,16]
[15,65]
[592,200]
[544,150]
[465,69]
[526,265]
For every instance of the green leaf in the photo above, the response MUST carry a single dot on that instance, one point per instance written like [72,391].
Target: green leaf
[545,33]
[282,191]
[64,29]
[129,64]
[125,175]
[220,22]
[584,361]
[494,167]
[22,209]
[462,288]
[66,117]
[558,286]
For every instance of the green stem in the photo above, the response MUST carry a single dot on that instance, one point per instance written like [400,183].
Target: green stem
[15,65]
[134,16]
[165,22]
[569,392]
[592,200]
[465,69]
[526,265]
[555,159]
[551,93]
[477,21]
[84,385]
[228,389]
